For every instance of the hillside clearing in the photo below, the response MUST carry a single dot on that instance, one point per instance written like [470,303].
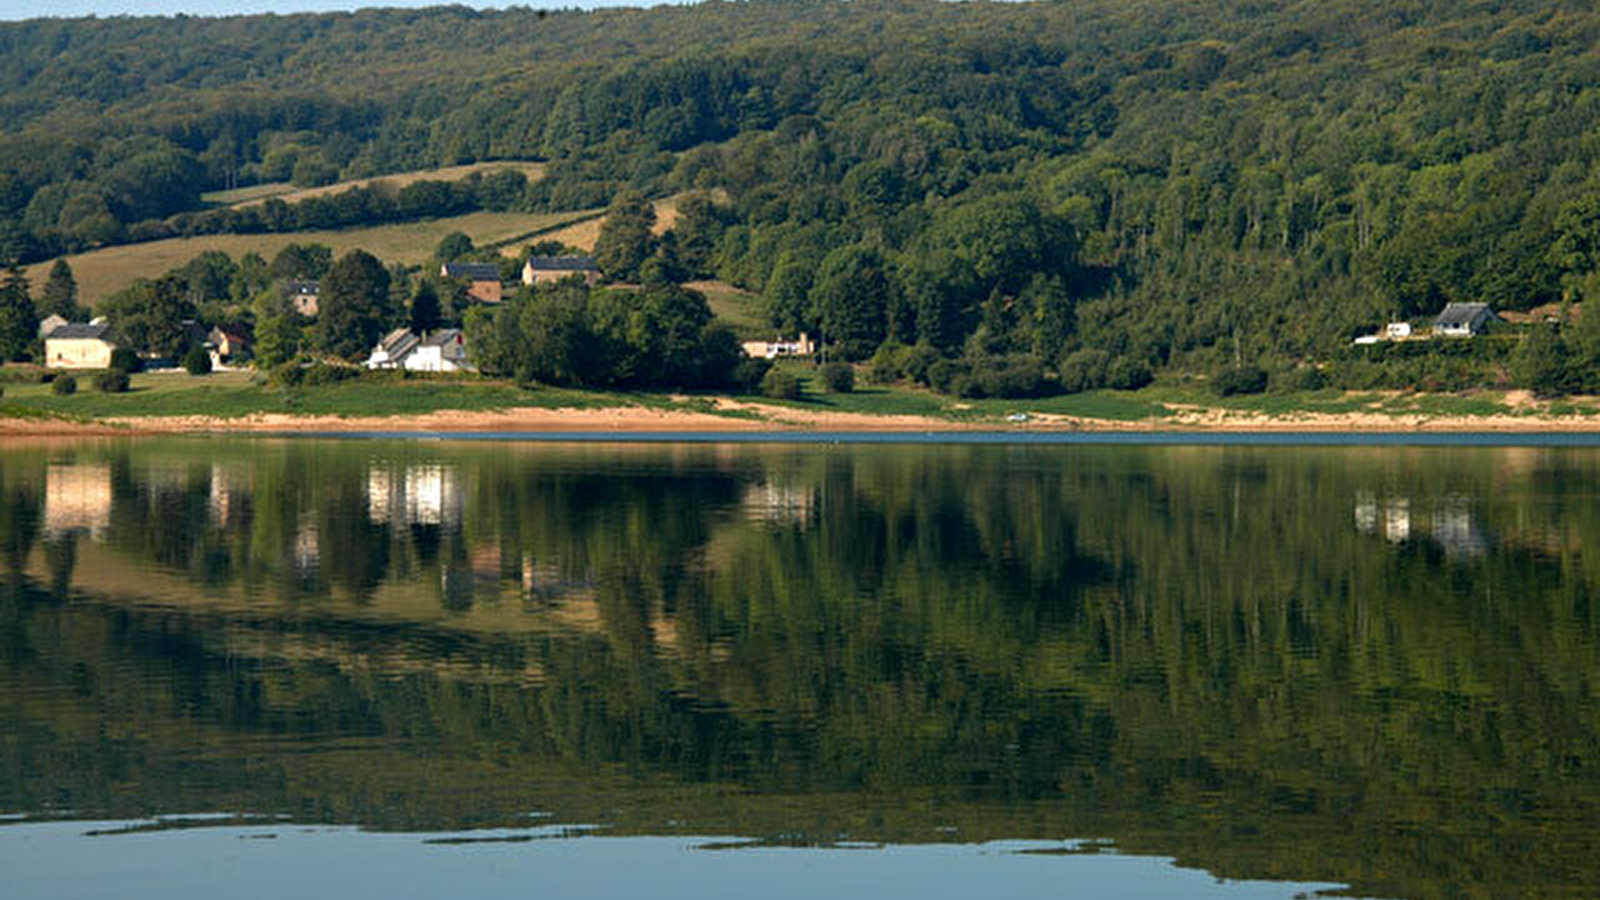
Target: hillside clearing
[260,193]
[101,273]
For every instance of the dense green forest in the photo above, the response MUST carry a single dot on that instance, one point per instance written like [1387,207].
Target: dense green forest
[1158,185]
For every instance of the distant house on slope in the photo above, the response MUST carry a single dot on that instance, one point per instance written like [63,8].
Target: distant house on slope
[79,346]
[1463,320]
[227,344]
[302,294]
[801,346]
[483,279]
[546,269]
[444,350]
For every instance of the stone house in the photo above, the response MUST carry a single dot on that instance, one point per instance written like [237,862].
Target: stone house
[547,269]
[483,279]
[79,346]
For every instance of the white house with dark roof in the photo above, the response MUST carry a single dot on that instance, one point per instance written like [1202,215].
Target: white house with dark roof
[545,269]
[1464,320]
[79,346]
[442,350]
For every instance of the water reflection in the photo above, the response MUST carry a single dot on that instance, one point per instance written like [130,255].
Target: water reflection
[1189,651]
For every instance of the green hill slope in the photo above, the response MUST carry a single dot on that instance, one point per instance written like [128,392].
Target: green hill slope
[1179,185]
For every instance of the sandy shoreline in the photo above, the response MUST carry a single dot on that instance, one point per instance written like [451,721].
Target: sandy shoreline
[754,418]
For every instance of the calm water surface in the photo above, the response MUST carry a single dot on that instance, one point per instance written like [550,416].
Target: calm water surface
[372,668]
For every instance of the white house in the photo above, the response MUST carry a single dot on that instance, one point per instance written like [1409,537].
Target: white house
[444,350]
[801,346]
[1464,320]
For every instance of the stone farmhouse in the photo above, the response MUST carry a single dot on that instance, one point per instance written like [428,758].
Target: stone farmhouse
[483,279]
[547,269]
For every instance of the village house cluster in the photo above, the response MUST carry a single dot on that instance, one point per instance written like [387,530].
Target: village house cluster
[89,346]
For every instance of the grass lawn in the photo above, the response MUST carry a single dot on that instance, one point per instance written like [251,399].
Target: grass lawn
[101,273]
[234,394]
[738,309]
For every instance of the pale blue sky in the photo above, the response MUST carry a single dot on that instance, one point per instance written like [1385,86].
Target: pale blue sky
[28,9]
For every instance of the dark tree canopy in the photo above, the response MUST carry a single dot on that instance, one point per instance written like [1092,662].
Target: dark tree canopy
[353,308]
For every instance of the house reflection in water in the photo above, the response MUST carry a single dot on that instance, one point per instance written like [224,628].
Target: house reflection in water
[1452,523]
[779,503]
[420,495]
[77,498]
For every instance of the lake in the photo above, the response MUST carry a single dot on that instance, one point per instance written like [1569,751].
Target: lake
[401,668]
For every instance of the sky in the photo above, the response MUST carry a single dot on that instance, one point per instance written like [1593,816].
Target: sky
[28,9]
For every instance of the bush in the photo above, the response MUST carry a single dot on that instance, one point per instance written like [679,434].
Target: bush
[64,385]
[1084,370]
[838,378]
[123,359]
[111,381]
[1239,380]
[197,361]
[1300,378]
[919,362]
[780,385]
[748,374]
[324,373]
[946,376]
[888,364]
[1125,374]
[288,374]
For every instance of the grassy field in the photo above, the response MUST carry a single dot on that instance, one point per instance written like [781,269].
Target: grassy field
[289,193]
[582,235]
[738,309]
[101,273]
[235,394]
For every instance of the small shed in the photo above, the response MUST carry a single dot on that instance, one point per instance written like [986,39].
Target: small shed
[1463,320]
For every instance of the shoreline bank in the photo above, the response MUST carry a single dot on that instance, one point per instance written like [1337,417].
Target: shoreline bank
[753,418]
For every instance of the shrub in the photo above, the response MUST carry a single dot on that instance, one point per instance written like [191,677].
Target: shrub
[1300,378]
[325,373]
[197,361]
[888,364]
[288,374]
[64,385]
[838,378]
[1126,374]
[1239,380]
[748,374]
[944,375]
[780,385]
[123,359]
[111,381]
[1084,370]
[919,361]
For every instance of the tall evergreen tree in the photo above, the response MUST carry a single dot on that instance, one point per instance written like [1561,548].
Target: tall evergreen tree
[354,308]
[18,321]
[60,294]
[425,315]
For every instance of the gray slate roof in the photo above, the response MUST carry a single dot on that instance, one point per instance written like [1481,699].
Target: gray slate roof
[302,286]
[1460,315]
[80,331]
[473,271]
[563,263]
[440,337]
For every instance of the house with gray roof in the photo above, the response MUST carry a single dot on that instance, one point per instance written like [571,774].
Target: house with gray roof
[545,269]
[483,279]
[1463,320]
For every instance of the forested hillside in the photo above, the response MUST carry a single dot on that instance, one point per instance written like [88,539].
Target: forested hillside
[1104,186]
